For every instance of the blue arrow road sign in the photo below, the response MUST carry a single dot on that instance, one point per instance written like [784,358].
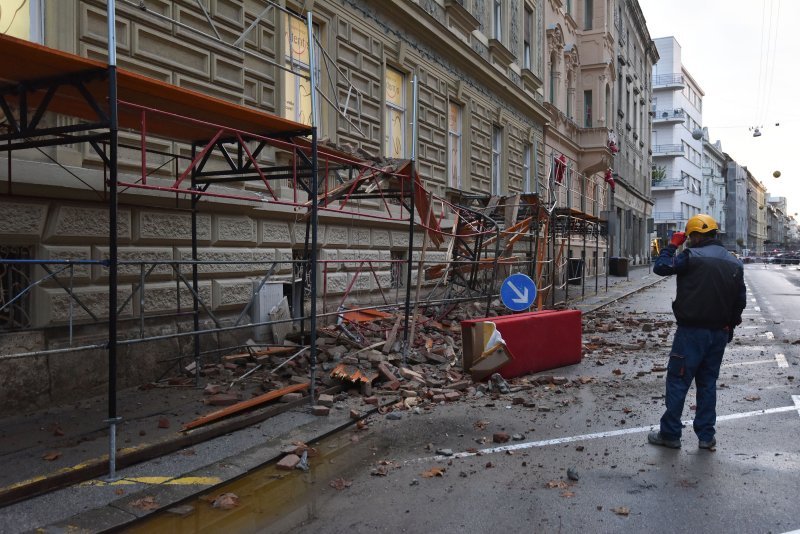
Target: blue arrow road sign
[518,292]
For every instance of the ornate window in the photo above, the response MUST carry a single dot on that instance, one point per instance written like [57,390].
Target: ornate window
[394,126]
[454,146]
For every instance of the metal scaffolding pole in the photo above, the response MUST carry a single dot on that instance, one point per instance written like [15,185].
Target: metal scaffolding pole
[411,191]
[314,191]
[113,419]
[195,278]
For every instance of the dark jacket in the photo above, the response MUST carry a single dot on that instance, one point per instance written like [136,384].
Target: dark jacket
[711,291]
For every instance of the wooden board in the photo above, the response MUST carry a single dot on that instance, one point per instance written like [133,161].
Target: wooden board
[242,406]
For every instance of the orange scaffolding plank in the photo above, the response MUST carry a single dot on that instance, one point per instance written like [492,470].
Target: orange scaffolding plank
[22,61]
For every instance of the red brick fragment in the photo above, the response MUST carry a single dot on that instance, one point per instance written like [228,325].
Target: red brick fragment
[288,462]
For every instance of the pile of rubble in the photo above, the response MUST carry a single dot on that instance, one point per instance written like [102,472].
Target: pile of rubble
[363,355]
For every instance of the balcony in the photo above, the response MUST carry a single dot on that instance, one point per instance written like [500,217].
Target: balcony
[669,116]
[667,150]
[595,156]
[668,216]
[665,184]
[673,80]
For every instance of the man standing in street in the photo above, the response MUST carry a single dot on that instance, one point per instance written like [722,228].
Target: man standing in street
[708,305]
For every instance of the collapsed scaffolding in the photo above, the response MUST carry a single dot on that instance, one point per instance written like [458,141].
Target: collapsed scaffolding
[484,237]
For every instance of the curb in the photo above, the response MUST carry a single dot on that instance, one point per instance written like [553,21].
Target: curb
[629,293]
[127,457]
[120,514]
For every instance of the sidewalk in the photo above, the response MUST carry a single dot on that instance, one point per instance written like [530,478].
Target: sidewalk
[48,449]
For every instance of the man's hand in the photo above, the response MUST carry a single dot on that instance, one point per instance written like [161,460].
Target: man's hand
[677,239]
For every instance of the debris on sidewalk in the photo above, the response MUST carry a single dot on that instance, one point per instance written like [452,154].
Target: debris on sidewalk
[145,504]
[434,472]
[340,483]
[52,455]
[226,501]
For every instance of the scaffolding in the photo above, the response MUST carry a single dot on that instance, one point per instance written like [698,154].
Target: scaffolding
[485,237]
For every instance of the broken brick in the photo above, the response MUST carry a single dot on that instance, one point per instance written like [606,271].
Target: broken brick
[325,400]
[408,374]
[394,386]
[320,410]
[385,371]
[212,389]
[222,399]
[500,437]
[371,400]
[451,396]
[288,462]
[291,397]
[461,385]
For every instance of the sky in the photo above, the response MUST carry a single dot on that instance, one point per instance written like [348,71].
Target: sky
[745,55]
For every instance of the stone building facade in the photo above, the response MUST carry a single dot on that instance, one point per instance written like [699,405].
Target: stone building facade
[714,181]
[479,66]
[756,215]
[579,77]
[631,119]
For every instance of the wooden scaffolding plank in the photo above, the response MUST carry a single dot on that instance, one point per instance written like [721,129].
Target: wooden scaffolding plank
[242,406]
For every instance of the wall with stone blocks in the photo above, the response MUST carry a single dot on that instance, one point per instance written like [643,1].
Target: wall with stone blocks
[240,249]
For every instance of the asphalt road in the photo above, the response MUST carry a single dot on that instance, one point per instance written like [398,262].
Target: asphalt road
[392,477]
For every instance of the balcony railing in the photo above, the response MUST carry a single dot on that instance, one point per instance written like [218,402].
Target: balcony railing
[668,216]
[667,150]
[661,80]
[669,183]
[669,115]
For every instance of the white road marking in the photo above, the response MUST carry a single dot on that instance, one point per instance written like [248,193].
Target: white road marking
[597,435]
[768,335]
[753,362]
[781,359]
[792,532]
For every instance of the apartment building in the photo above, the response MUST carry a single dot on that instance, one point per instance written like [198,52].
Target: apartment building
[676,142]
[736,205]
[777,225]
[756,215]
[714,181]
[480,126]
[632,123]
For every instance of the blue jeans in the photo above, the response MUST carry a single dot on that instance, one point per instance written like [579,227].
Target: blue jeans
[696,355]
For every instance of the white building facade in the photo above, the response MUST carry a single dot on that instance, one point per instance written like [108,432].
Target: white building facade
[677,156]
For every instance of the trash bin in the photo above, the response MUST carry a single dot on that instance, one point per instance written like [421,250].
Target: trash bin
[575,271]
[618,266]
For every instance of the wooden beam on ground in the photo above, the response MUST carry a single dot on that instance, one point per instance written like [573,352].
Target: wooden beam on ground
[242,406]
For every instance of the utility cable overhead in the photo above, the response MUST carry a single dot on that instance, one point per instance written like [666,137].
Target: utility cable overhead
[774,55]
[760,62]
